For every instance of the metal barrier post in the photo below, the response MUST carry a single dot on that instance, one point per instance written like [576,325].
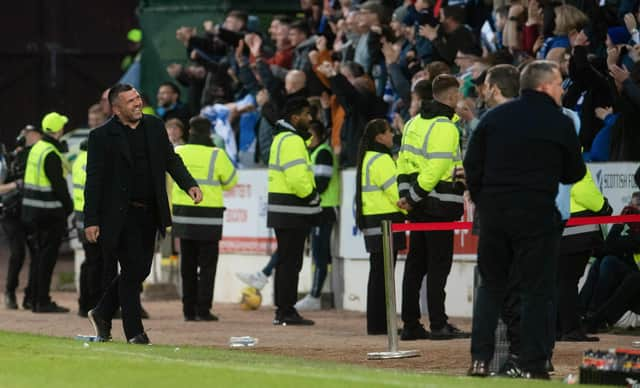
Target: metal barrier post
[390,301]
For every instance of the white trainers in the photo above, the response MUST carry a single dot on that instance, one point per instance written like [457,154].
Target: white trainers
[256,280]
[308,303]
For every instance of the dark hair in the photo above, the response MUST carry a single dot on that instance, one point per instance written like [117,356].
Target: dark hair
[423,90]
[455,12]
[301,26]
[436,68]
[173,87]
[319,129]
[200,125]
[443,83]
[282,18]
[115,91]
[241,15]
[503,11]
[294,106]
[367,141]
[506,78]
[354,68]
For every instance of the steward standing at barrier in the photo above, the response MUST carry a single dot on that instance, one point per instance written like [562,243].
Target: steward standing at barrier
[376,201]
[91,270]
[199,226]
[45,207]
[429,153]
[126,203]
[518,154]
[577,245]
[293,205]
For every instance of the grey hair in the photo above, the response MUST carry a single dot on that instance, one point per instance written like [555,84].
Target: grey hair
[537,73]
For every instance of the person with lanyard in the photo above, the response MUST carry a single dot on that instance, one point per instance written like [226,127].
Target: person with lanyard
[377,200]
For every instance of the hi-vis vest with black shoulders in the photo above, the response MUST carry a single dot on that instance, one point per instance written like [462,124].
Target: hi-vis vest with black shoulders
[429,152]
[38,193]
[331,196]
[379,198]
[214,172]
[292,200]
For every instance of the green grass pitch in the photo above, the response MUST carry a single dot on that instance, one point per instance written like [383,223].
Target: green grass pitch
[38,361]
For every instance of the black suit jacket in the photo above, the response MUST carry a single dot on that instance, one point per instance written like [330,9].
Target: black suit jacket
[110,175]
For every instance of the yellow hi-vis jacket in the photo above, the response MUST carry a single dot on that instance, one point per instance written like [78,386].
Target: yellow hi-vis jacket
[379,199]
[214,172]
[39,198]
[293,200]
[429,152]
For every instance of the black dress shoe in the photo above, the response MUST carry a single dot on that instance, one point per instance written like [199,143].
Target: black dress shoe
[50,307]
[412,333]
[479,368]
[292,319]
[577,336]
[140,339]
[189,317]
[102,327]
[10,301]
[448,332]
[206,317]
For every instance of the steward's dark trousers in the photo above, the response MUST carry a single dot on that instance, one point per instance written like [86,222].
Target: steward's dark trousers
[376,300]
[199,260]
[290,251]
[321,251]
[134,252]
[17,238]
[528,239]
[91,274]
[49,237]
[430,254]
[570,270]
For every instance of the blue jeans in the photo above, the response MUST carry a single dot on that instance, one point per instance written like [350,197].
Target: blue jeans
[321,252]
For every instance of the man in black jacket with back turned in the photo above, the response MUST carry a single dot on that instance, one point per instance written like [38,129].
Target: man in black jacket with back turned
[518,154]
[126,203]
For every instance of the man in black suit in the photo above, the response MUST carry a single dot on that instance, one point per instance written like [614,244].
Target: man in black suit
[126,203]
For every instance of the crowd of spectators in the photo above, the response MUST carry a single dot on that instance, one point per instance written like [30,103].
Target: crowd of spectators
[358,61]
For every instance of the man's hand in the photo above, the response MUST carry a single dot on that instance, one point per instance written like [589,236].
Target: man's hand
[183,34]
[404,204]
[602,113]
[254,42]
[174,69]
[391,52]
[321,43]
[196,194]
[429,32]
[92,233]
[619,74]
[630,22]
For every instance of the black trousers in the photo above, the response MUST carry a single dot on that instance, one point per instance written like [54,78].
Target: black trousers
[48,236]
[626,297]
[134,252]
[570,270]
[199,260]
[431,255]
[91,276]
[529,240]
[376,300]
[18,239]
[290,251]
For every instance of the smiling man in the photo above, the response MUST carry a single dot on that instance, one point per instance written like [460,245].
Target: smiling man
[126,203]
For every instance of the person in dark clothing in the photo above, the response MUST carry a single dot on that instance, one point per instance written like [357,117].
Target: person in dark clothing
[45,207]
[625,298]
[126,203]
[13,227]
[169,104]
[513,176]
